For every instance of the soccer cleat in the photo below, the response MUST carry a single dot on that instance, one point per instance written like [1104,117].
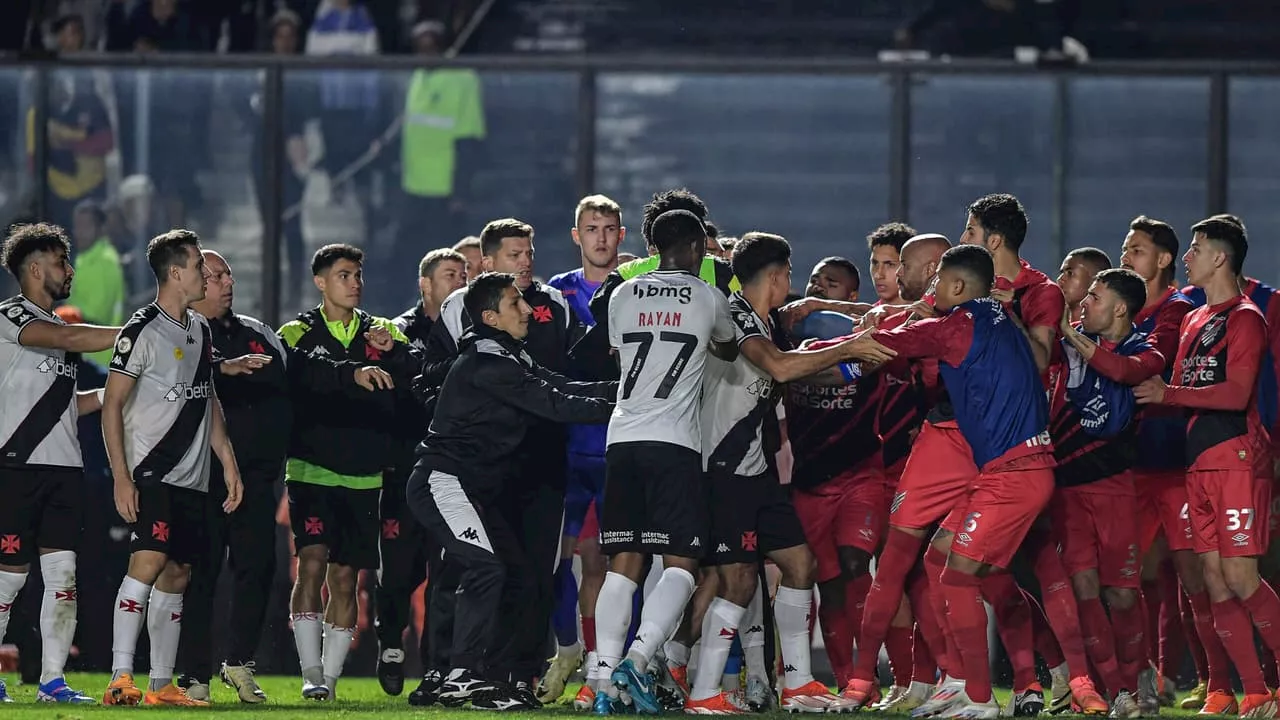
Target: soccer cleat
[947,698]
[461,685]
[895,692]
[1086,699]
[640,686]
[241,678]
[1027,702]
[523,691]
[4,692]
[1195,699]
[979,711]
[680,676]
[1148,696]
[314,691]
[605,705]
[172,696]
[391,671]
[585,699]
[1125,706]
[758,696]
[814,697]
[862,693]
[57,691]
[196,691]
[1060,690]
[122,691]
[1220,702]
[502,697]
[1261,705]
[428,691]
[1164,688]
[722,703]
[560,668]
[911,697]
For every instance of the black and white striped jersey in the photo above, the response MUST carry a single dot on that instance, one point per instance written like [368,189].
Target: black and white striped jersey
[37,394]
[167,418]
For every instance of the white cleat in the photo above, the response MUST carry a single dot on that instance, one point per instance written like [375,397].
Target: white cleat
[312,691]
[198,691]
[988,710]
[563,665]
[1125,706]
[815,697]
[758,695]
[946,699]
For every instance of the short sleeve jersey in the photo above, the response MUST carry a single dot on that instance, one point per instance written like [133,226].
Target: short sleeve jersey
[660,323]
[38,386]
[736,399]
[167,415]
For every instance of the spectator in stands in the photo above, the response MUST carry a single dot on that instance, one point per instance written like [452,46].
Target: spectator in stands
[161,23]
[443,126]
[79,136]
[99,289]
[132,221]
[53,20]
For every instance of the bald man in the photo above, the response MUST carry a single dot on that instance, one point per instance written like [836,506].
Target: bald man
[259,416]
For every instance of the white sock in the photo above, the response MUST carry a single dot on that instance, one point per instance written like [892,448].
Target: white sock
[752,636]
[593,673]
[307,634]
[613,616]
[337,641]
[10,585]
[677,653]
[164,628]
[57,612]
[791,610]
[126,623]
[719,627]
[661,615]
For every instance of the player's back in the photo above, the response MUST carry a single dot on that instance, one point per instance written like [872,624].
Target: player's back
[660,324]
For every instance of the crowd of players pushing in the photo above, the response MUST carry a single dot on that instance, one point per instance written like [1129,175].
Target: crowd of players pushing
[933,412]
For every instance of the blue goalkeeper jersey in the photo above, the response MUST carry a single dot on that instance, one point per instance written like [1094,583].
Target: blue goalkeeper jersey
[577,291]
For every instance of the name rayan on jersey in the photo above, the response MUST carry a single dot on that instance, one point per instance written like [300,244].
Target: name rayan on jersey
[185,391]
[59,367]
[656,318]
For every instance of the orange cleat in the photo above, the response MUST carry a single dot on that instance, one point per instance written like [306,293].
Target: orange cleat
[1261,705]
[1220,702]
[863,693]
[172,696]
[1086,699]
[585,699]
[122,691]
[721,704]
[680,673]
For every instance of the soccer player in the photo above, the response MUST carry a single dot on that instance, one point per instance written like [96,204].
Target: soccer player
[402,545]
[598,232]
[885,244]
[41,470]
[258,415]
[837,481]
[534,505]
[470,457]
[1076,275]
[1223,344]
[160,416]
[1005,424]
[1151,249]
[1094,426]
[660,322]
[338,448]
[751,513]
[469,247]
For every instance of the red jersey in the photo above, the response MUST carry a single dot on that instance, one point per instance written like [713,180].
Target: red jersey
[1038,302]
[903,401]
[1220,351]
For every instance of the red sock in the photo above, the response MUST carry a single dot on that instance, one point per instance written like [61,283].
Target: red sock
[837,636]
[897,644]
[1060,609]
[589,634]
[1217,665]
[922,591]
[924,669]
[1231,621]
[968,620]
[1013,621]
[935,564]
[1130,640]
[1046,643]
[855,600]
[1101,645]
[1153,618]
[901,550]
[1174,627]
[1264,611]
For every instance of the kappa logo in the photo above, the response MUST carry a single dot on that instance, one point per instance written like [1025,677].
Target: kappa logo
[469,534]
[191,340]
[722,548]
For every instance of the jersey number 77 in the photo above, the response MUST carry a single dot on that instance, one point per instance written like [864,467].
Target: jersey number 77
[645,340]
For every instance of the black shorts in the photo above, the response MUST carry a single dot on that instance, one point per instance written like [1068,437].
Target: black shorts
[655,500]
[39,508]
[341,519]
[750,516]
[173,521]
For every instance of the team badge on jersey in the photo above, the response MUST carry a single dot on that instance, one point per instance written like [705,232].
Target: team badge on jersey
[177,354]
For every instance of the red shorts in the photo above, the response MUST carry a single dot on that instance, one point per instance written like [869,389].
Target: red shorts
[893,474]
[590,525]
[1229,511]
[1004,502]
[1095,530]
[935,480]
[1162,505]
[847,511]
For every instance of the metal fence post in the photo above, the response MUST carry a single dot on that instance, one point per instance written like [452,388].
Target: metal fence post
[585,157]
[900,146]
[272,178]
[1219,139]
